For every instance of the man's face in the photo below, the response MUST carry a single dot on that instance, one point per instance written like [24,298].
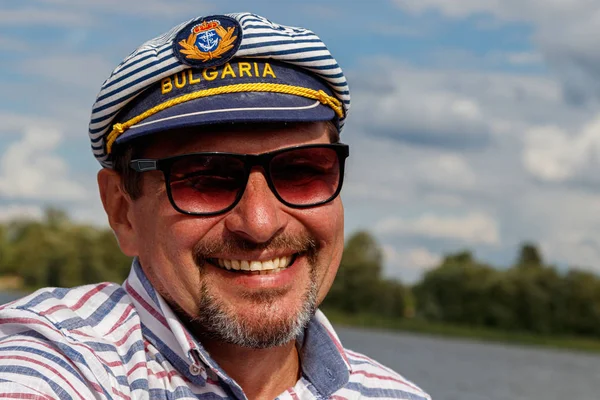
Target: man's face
[181,254]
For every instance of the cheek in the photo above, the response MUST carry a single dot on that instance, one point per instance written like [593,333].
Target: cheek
[164,235]
[328,227]
[166,241]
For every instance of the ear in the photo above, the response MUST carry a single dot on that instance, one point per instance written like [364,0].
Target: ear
[117,205]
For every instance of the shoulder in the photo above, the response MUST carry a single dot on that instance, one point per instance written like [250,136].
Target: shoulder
[374,379]
[49,341]
[92,306]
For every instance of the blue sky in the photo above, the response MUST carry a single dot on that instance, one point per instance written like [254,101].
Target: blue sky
[474,124]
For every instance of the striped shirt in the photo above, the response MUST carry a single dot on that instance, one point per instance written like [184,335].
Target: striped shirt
[106,341]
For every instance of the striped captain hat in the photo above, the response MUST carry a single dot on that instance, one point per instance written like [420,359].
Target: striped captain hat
[218,69]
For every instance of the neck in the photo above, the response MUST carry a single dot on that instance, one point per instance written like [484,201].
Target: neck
[261,373]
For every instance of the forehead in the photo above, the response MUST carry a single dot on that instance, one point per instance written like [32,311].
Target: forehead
[239,138]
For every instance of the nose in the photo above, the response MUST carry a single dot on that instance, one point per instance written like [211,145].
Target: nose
[258,216]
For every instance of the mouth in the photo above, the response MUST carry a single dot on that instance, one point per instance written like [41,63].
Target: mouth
[254,267]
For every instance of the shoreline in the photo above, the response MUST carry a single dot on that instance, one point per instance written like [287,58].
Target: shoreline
[574,343]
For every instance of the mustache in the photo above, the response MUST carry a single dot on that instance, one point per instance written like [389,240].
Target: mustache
[204,249]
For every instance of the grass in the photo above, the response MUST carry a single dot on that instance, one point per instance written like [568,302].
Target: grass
[458,331]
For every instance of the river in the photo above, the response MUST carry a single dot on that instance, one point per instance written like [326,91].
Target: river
[451,369]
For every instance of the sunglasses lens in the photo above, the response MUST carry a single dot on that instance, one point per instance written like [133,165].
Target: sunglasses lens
[307,176]
[206,184]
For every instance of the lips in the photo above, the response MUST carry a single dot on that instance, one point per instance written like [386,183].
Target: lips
[254,266]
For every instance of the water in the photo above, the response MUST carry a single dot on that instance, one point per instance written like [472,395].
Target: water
[8,296]
[450,369]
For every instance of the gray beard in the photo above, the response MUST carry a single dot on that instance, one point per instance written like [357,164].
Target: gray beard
[215,321]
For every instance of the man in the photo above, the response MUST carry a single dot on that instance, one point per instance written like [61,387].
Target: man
[222,170]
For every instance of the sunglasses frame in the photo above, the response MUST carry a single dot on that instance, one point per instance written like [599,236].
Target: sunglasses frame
[250,161]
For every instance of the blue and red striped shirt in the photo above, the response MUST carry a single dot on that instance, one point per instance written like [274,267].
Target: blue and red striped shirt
[109,341]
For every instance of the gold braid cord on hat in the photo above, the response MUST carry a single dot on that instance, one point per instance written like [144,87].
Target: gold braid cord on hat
[320,95]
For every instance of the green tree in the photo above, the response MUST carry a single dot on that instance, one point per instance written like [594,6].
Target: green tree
[57,252]
[360,287]
[458,291]
[355,288]
[529,257]
[5,249]
[537,299]
[581,303]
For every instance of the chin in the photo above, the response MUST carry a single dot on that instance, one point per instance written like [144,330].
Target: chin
[263,322]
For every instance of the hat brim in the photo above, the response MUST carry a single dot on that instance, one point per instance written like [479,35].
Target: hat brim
[249,107]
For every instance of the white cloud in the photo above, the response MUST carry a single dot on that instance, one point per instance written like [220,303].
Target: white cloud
[397,173]
[91,212]
[565,31]
[515,10]
[414,155]
[85,13]
[473,228]
[524,58]
[446,171]
[397,181]
[450,8]
[29,169]
[13,123]
[43,16]
[72,70]
[566,223]
[439,114]
[409,264]
[17,211]
[552,154]
[149,8]
[448,108]
[400,30]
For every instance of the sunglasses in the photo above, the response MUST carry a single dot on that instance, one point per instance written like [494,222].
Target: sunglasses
[213,183]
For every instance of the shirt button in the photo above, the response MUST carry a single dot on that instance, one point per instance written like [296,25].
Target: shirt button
[196,370]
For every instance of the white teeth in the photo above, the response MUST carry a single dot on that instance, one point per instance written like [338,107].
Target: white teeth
[250,265]
[255,266]
[267,265]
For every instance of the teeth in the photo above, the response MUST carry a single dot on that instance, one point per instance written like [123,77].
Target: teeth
[250,265]
[255,266]
[244,265]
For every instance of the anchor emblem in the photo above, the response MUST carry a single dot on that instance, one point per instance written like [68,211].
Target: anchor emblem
[207,41]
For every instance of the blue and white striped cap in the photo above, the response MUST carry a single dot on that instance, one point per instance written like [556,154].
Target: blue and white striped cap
[223,68]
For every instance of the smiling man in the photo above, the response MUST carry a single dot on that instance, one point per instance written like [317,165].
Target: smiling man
[222,173]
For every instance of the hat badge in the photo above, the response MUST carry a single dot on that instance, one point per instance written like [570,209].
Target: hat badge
[207,41]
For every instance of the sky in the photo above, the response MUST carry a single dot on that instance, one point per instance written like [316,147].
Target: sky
[475,124]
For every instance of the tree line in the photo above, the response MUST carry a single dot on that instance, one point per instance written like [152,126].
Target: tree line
[529,296]
[55,252]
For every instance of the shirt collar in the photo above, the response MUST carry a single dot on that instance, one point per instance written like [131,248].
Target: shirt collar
[161,326]
[323,359]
